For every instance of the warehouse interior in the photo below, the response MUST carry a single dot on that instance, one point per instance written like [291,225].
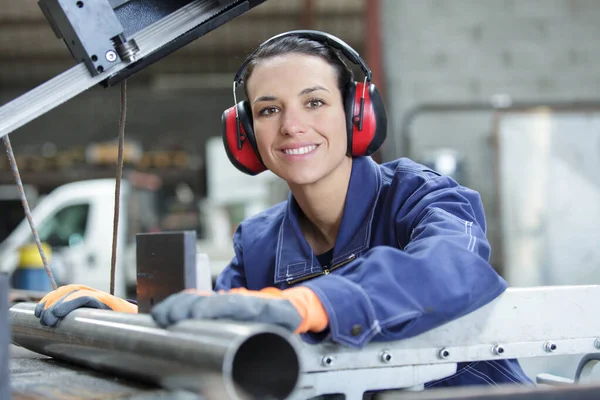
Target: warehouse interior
[501,96]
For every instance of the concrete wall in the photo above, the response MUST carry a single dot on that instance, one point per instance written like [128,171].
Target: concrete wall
[470,51]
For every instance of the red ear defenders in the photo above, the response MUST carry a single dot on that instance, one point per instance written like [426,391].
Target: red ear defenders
[366,119]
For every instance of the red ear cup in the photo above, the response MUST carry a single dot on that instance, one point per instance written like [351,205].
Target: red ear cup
[239,140]
[365,141]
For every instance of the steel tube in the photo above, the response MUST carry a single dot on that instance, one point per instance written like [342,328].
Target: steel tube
[215,359]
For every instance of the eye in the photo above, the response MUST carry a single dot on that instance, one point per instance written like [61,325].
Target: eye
[315,103]
[268,111]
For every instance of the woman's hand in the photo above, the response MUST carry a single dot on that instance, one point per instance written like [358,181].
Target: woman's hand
[297,309]
[60,302]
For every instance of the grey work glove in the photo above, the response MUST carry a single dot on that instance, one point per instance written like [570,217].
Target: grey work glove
[60,302]
[235,307]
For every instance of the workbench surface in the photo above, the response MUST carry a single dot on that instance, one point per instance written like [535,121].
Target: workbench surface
[34,376]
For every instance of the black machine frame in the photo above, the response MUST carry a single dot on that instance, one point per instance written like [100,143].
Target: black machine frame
[99,32]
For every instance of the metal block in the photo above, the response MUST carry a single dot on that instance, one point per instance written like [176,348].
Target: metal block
[166,264]
[89,28]
[4,339]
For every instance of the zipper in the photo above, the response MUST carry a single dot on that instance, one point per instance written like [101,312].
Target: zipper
[326,271]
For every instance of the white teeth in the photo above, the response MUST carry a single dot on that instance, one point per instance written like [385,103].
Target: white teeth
[300,150]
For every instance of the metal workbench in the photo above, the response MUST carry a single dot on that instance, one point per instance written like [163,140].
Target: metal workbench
[35,376]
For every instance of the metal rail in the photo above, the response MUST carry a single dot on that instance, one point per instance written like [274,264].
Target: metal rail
[218,360]
[76,80]
[497,104]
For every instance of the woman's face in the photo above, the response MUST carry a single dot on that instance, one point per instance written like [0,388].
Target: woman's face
[299,119]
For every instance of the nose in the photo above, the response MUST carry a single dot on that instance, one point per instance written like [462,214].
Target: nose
[292,123]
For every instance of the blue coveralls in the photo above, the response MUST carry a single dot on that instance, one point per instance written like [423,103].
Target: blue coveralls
[411,254]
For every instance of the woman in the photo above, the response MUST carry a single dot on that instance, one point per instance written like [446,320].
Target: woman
[360,252]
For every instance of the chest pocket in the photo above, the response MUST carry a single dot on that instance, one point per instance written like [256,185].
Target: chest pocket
[322,271]
[296,271]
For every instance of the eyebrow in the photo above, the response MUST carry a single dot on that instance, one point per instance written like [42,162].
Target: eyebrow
[302,93]
[312,89]
[265,98]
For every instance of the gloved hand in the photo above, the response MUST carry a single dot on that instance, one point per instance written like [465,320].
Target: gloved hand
[65,299]
[297,309]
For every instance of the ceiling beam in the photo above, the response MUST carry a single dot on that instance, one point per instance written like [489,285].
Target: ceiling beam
[24,39]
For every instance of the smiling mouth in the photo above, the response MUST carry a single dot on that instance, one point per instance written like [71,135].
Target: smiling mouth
[299,151]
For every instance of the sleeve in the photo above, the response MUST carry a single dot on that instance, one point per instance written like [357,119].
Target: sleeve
[234,274]
[440,274]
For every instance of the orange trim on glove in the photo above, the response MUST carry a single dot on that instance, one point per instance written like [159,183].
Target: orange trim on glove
[55,295]
[306,302]
[77,291]
[115,303]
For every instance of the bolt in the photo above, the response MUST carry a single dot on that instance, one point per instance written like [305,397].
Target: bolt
[386,357]
[498,350]
[444,353]
[327,361]
[549,347]
[597,344]
[111,56]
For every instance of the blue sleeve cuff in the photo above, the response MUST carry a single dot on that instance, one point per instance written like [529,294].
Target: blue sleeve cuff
[351,314]
[316,338]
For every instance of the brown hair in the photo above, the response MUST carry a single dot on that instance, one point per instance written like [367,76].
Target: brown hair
[298,45]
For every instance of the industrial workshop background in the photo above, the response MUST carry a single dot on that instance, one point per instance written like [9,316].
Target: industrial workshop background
[503,95]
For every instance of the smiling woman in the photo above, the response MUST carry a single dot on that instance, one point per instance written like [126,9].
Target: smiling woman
[360,251]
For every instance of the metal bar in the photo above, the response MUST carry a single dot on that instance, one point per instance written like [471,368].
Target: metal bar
[4,338]
[76,80]
[520,323]
[218,360]
[523,322]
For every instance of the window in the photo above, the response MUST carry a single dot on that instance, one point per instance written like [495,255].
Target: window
[65,228]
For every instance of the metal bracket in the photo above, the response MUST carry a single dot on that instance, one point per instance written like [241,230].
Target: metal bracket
[100,33]
[91,31]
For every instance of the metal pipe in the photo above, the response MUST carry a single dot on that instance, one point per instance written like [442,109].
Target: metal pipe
[219,360]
